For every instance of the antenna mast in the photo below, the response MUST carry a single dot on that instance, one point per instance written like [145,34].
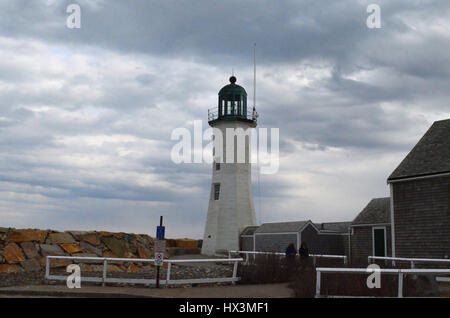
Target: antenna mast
[254,76]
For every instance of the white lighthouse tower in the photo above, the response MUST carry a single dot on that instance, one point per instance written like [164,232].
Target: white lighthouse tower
[231,199]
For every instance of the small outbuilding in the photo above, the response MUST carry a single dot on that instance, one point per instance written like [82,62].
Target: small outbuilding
[321,238]
[370,231]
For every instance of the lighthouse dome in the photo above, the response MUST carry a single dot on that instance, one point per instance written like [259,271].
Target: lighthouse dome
[232,89]
[232,105]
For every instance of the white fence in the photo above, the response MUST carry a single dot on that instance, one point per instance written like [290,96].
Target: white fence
[411,260]
[314,256]
[399,272]
[104,279]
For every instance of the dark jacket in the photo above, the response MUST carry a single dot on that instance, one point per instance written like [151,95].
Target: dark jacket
[290,252]
[303,252]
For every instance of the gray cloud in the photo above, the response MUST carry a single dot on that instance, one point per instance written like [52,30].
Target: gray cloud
[86,115]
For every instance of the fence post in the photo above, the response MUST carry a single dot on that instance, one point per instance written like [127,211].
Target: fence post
[235,272]
[345,260]
[317,283]
[168,273]
[412,264]
[47,267]
[400,284]
[105,267]
[229,254]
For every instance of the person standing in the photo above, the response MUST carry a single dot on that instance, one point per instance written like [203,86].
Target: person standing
[304,253]
[290,252]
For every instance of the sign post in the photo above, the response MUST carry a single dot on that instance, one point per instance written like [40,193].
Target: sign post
[160,248]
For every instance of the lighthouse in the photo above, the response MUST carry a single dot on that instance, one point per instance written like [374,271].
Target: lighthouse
[231,206]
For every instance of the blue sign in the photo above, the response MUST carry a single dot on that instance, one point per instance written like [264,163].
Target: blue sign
[160,232]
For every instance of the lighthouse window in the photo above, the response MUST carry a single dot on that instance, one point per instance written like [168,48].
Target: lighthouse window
[216,191]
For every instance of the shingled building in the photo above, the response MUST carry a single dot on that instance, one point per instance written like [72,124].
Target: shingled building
[420,197]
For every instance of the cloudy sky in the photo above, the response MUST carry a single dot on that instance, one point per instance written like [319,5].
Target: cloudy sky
[86,114]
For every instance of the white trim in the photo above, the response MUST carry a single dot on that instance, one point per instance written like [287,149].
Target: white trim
[246,235]
[444,174]
[370,224]
[276,233]
[373,239]
[391,189]
[409,259]
[333,233]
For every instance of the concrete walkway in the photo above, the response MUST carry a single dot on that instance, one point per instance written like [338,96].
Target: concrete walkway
[239,291]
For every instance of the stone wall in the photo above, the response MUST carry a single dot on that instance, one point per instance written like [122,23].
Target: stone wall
[26,249]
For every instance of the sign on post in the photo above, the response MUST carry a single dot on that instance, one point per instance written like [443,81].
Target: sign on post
[159,259]
[160,232]
[160,248]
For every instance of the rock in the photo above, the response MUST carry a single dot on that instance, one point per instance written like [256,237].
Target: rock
[31,265]
[72,248]
[61,238]
[42,261]
[78,235]
[128,254]
[106,234]
[28,235]
[86,268]
[112,268]
[56,263]
[119,235]
[5,268]
[116,246]
[143,252]
[186,243]
[51,250]
[92,239]
[90,249]
[97,268]
[133,268]
[30,249]
[13,253]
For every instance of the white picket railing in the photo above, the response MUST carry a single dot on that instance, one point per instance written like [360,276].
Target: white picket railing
[411,260]
[314,256]
[391,271]
[104,279]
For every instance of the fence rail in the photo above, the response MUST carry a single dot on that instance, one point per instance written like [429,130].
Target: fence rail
[105,279]
[411,260]
[390,271]
[314,256]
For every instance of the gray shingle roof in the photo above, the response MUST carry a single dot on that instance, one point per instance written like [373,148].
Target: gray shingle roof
[377,211]
[431,155]
[281,227]
[249,230]
[341,227]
